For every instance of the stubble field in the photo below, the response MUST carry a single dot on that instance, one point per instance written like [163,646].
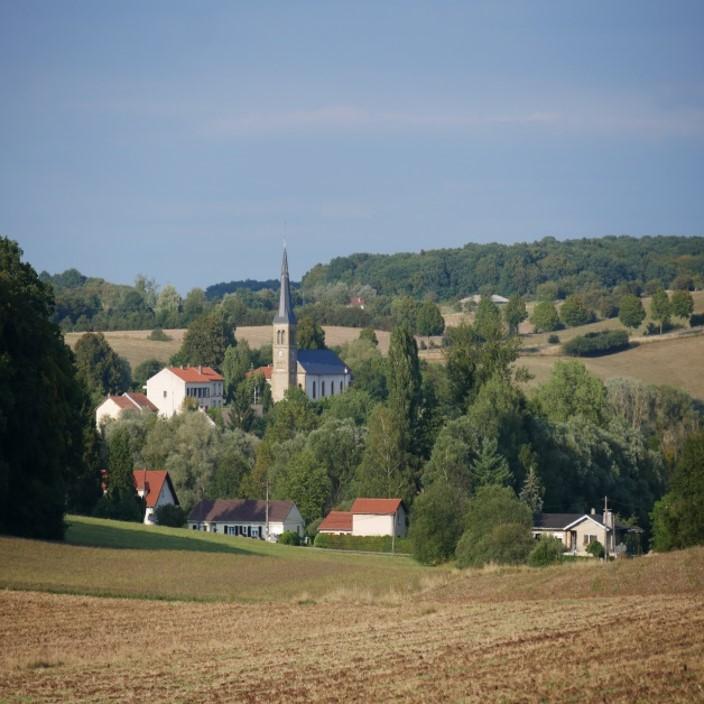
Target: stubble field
[624,632]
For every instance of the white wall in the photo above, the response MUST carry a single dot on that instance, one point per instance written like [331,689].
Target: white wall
[373,524]
[305,381]
[166,391]
[107,409]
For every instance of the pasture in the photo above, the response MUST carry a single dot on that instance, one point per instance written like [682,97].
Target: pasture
[582,632]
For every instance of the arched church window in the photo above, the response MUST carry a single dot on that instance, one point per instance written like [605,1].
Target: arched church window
[322,388]
[313,389]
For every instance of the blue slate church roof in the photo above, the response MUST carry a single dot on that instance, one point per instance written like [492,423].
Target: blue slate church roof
[321,362]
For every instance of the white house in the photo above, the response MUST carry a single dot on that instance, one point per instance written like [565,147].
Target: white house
[246,517]
[114,406]
[577,530]
[320,373]
[168,388]
[156,488]
[368,517]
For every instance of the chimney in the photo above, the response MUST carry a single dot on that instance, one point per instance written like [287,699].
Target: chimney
[593,511]
[200,368]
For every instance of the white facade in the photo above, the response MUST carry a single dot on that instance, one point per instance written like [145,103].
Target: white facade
[108,409]
[165,498]
[253,529]
[167,391]
[318,386]
[369,524]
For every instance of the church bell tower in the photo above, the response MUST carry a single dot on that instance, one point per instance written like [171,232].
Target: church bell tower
[283,374]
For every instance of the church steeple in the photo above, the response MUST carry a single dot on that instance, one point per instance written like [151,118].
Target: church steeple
[285,313]
[284,373]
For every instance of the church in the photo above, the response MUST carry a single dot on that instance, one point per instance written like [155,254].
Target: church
[320,373]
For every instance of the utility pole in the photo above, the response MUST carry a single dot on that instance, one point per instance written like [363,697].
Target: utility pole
[266,510]
[607,521]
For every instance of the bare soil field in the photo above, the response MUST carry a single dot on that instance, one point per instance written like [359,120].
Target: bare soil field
[626,632]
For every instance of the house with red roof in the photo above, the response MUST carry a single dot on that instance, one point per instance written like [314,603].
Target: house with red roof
[170,387]
[156,488]
[113,407]
[368,517]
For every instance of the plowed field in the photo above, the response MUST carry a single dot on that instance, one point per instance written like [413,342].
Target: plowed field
[632,632]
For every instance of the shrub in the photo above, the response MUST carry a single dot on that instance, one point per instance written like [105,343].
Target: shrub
[696,319]
[289,537]
[170,515]
[595,344]
[554,339]
[596,549]
[575,312]
[158,335]
[437,523]
[497,528]
[120,506]
[370,543]
[547,551]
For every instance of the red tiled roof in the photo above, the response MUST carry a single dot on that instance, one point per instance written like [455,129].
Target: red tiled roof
[381,507]
[140,400]
[338,521]
[196,375]
[121,402]
[154,480]
[264,371]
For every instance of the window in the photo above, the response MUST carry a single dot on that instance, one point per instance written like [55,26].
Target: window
[164,393]
[322,388]
[332,388]
[313,389]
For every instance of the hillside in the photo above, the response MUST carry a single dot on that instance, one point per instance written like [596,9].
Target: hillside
[512,634]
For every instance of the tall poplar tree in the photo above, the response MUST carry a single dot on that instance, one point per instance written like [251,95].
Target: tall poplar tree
[404,382]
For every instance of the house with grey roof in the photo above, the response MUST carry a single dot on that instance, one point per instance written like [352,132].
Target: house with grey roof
[577,530]
[247,518]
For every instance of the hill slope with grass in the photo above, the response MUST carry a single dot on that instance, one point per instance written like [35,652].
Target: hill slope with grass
[313,626]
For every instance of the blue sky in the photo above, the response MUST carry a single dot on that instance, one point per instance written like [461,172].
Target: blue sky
[186,140]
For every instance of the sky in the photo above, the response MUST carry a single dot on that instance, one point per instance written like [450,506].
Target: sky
[187,140]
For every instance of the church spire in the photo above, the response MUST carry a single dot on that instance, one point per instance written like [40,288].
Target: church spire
[285,312]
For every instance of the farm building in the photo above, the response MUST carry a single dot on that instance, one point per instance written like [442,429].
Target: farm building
[577,530]
[156,488]
[246,517]
[114,406]
[168,389]
[337,523]
[368,517]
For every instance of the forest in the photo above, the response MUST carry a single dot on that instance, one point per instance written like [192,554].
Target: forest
[397,287]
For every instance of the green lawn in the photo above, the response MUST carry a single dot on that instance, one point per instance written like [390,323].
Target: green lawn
[112,558]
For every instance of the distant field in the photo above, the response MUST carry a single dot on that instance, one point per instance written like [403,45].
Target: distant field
[586,632]
[134,345]
[676,362]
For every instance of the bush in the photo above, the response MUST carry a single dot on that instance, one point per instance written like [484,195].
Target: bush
[170,515]
[595,344]
[158,335]
[596,549]
[497,528]
[437,523]
[289,537]
[120,506]
[696,319]
[554,339]
[368,543]
[547,551]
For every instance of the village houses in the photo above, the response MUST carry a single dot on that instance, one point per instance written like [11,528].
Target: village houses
[368,517]
[113,407]
[157,490]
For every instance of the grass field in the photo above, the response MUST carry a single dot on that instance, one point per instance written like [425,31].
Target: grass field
[631,631]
